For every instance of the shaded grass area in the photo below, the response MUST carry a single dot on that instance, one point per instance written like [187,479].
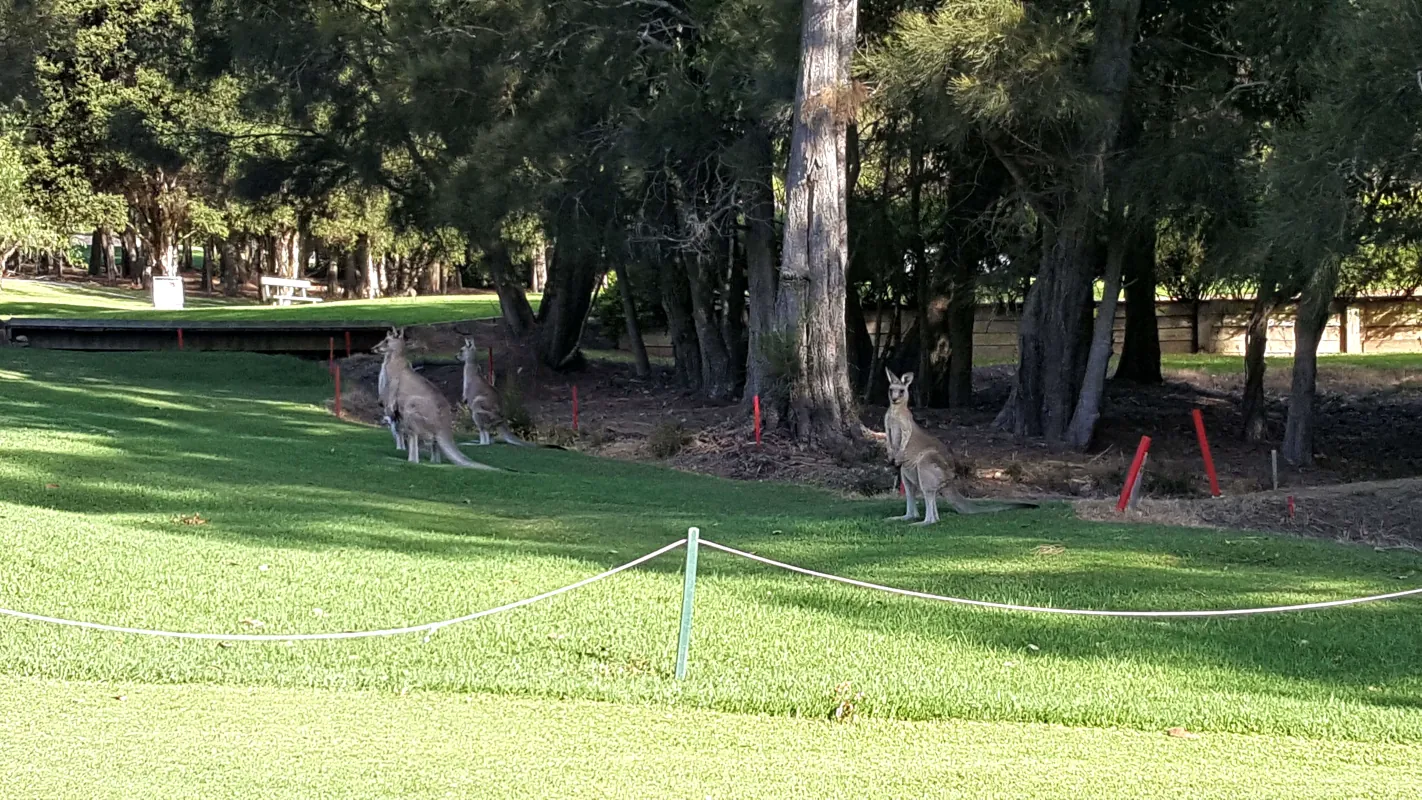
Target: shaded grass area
[57,300]
[1234,365]
[1229,365]
[305,523]
[63,740]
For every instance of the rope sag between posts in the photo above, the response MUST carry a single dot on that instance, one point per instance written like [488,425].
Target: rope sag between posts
[1048,610]
[429,627]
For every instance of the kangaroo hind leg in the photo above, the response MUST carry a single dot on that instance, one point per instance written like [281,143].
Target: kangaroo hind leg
[930,482]
[910,507]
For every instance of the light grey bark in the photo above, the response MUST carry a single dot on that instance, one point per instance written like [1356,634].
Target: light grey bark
[810,304]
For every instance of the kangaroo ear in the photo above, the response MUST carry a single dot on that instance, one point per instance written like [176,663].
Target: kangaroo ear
[892,377]
[907,378]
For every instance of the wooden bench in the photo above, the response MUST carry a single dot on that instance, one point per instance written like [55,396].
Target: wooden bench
[286,291]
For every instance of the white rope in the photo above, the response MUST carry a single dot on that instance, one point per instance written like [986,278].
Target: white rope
[1047,610]
[431,627]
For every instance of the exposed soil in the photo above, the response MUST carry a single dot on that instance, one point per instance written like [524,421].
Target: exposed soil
[1378,513]
[1369,440]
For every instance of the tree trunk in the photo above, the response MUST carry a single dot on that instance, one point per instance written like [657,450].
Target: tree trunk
[1049,334]
[397,276]
[454,281]
[962,314]
[249,262]
[760,263]
[676,302]
[923,281]
[1140,352]
[137,260]
[1253,407]
[305,246]
[1051,356]
[159,234]
[292,253]
[1093,388]
[513,301]
[209,250]
[715,359]
[733,315]
[1313,313]
[810,304]
[572,277]
[97,242]
[350,274]
[127,261]
[368,276]
[629,316]
[859,344]
[887,344]
[227,252]
[327,266]
[539,277]
[185,257]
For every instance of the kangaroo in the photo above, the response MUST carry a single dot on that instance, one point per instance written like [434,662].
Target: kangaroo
[386,395]
[420,411]
[925,464]
[484,401]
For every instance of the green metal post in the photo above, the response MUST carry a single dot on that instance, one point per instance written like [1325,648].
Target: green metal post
[688,593]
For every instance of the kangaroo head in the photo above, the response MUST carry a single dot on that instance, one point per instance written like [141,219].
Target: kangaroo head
[394,342]
[467,352]
[898,387]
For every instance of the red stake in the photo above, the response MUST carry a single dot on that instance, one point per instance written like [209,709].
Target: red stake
[338,391]
[491,366]
[348,344]
[331,358]
[1133,474]
[180,338]
[1291,506]
[1205,451]
[757,420]
[575,408]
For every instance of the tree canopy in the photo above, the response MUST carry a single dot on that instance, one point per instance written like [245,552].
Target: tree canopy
[801,194]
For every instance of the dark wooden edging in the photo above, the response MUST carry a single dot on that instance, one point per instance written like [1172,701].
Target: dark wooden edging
[315,338]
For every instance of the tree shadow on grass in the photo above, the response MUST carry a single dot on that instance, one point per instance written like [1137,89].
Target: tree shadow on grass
[1349,649]
[242,441]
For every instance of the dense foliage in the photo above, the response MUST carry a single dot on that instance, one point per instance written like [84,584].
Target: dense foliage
[970,151]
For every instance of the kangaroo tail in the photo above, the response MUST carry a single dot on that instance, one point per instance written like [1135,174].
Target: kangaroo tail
[965,506]
[445,442]
[508,436]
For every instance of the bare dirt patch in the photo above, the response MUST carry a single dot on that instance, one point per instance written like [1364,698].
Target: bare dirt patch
[1370,430]
[1377,513]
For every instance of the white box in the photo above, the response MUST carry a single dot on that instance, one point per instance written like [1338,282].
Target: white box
[167,293]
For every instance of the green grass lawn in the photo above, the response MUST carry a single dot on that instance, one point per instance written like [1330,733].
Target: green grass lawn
[68,740]
[1228,365]
[63,300]
[311,524]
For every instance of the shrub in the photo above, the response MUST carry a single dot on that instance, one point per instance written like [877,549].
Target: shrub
[514,410]
[667,439]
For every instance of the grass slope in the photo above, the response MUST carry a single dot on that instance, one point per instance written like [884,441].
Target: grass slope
[63,300]
[310,524]
[1230,365]
[82,741]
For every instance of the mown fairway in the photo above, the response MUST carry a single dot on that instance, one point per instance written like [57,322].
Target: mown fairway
[203,492]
